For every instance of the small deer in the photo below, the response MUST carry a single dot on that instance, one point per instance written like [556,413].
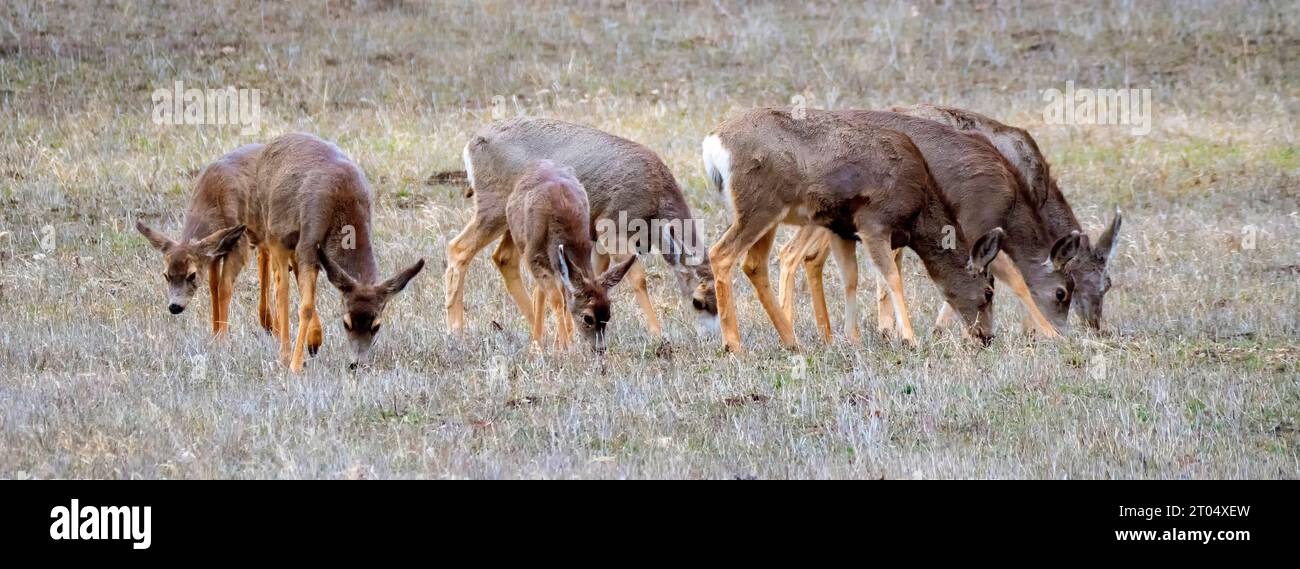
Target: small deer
[627,185]
[984,191]
[548,219]
[1089,268]
[312,209]
[868,184]
[214,239]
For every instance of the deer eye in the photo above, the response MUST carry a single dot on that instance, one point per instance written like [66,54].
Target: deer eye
[1061,294]
[988,294]
[697,303]
[588,320]
[192,277]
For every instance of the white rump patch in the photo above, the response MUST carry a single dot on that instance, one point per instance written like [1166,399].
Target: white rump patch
[469,167]
[717,165]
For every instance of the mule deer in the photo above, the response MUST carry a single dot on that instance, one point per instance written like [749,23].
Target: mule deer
[625,182]
[985,191]
[214,239]
[860,183]
[548,219]
[1088,269]
[312,210]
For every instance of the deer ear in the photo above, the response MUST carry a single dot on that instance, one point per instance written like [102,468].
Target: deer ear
[565,271]
[398,282]
[615,274]
[158,240]
[1066,248]
[221,241]
[1106,244]
[337,276]
[985,250]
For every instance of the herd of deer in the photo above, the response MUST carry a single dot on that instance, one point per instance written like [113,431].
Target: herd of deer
[971,196]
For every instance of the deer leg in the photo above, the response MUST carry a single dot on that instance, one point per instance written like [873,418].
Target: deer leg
[231,265]
[637,277]
[214,289]
[280,268]
[460,251]
[884,309]
[264,278]
[538,320]
[722,258]
[1004,269]
[306,312]
[882,258]
[814,266]
[945,318]
[563,328]
[755,267]
[846,258]
[506,257]
[788,258]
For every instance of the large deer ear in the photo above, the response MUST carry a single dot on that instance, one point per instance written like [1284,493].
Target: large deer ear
[398,282]
[1066,248]
[158,240]
[337,276]
[1109,240]
[985,250]
[221,241]
[616,273]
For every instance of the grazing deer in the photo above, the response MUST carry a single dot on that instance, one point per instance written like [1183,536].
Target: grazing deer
[214,240]
[860,183]
[625,182]
[548,221]
[985,191]
[1088,269]
[312,210]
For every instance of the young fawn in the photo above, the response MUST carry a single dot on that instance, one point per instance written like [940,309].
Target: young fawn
[214,239]
[985,191]
[1088,269]
[860,183]
[548,224]
[312,210]
[625,181]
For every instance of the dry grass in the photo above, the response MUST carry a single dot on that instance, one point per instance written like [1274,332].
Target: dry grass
[97,380]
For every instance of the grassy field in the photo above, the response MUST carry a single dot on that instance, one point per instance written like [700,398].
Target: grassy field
[1197,375]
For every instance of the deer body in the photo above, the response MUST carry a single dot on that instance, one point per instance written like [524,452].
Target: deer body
[213,239]
[1088,270]
[859,183]
[548,222]
[985,192]
[312,210]
[623,180]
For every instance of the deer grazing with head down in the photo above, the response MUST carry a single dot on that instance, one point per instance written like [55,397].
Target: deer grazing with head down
[868,184]
[548,221]
[1088,269]
[213,239]
[626,184]
[312,210]
[985,191]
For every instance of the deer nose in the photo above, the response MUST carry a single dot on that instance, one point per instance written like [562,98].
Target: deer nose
[987,340]
[175,309]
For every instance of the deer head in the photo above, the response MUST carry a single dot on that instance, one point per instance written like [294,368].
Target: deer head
[589,298]
[182,261]
[1091,279]
[364,303]
[972,298]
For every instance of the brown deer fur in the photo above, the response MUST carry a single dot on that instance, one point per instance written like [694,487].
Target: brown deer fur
[859,182]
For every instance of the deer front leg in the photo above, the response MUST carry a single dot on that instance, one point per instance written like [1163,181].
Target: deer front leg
[884,309]
[1004,269]
[538,320]
[264,278]
[306,313]
[214,290]
[882,258]
[280,268]
[506,258]
[636,274]
[563,323]
[231,265]
[755,268]
[788,258]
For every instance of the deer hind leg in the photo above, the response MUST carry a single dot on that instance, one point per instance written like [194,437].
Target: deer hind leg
[882,258]
[506,257]
[214,290]
[846,257]
[1004,269]
[280,268]
[264,278]
[306,313]
[477,235]
[884,308]
[755,267]
[722,258]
